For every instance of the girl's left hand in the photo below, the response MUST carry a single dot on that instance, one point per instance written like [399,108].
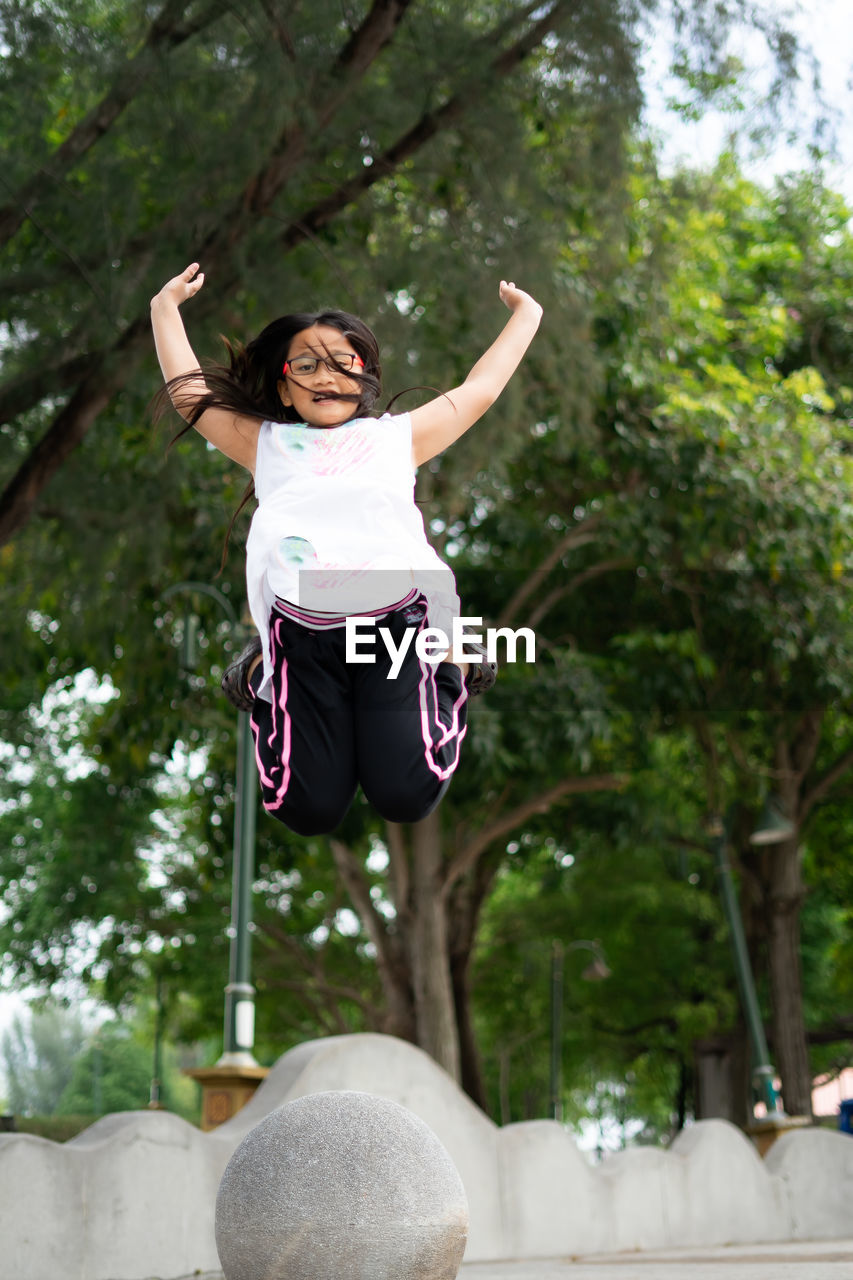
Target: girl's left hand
[517,298]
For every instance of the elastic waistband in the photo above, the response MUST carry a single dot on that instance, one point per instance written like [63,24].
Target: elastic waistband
[325,621]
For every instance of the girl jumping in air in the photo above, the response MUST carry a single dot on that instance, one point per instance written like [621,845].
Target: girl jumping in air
[337,535]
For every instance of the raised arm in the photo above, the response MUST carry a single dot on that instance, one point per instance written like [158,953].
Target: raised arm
[233,434]
[437,424]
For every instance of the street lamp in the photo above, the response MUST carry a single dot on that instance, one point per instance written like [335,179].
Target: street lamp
[772,828]
[239,1035]
[596,971]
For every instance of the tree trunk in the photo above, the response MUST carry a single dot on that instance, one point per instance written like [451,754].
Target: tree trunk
[435,1012]
[424,957]
[682,1095]
[471,1076]
[790,1042]
[465,900]
[722,1078]
[391,959]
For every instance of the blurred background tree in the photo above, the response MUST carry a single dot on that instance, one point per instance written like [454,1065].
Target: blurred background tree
[62,1073]
[38,1059]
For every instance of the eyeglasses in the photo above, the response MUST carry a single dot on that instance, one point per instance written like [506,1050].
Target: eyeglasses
[337,362]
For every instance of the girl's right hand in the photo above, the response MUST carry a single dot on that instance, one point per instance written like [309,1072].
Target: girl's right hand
[179,288]
[516,298]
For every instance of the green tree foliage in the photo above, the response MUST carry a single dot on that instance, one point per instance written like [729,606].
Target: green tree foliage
[72,835]
[613,880]
[753,565]
[251,138]
[715,578]
[112,1074]
[55,1066]
[38,1057]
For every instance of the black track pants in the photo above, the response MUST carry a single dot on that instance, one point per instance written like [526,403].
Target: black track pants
[333,725]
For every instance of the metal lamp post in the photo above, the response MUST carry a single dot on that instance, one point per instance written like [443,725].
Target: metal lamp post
[239,1036]
[595,971]
[239,1032]
[772,829]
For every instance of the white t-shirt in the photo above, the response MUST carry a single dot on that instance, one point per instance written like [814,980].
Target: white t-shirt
[337,530]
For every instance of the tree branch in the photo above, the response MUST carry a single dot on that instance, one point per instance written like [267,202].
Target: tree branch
[465,906]
[573,538]
[97,387]
[398,864]
[587,575]
[279,30]
[669,1023]
[392,972]
[831,1033]
[806,741]
[356,884]
[328,1017]
[824,783]
[508,822]
[167,31]
[219,248]
[430,124]
[67,430]
[334,87]
[331,994]
[311,965]
[368,41]
[28,389]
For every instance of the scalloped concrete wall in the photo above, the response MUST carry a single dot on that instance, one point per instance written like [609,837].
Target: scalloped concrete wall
[131,1196]
[815,1167]
[134,1195]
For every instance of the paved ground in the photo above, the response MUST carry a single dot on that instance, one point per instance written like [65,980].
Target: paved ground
[810,1260]
[822,1260]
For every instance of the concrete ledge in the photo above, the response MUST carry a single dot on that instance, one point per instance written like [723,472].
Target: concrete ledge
[805,1261]
[133,1196]
[815,1168]
[552,1201]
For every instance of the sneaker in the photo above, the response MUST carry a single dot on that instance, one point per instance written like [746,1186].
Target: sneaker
[481,675]
[235,681]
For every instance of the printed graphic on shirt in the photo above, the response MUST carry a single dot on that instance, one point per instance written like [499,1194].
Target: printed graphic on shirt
[314,579]
[326,452]
[296,553]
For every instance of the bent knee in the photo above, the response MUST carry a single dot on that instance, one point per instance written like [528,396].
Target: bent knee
[315,817]
[405,805]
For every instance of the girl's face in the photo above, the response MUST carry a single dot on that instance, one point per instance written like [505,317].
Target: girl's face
[311,392]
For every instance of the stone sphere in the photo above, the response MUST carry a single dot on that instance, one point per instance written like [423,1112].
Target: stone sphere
[341,1186]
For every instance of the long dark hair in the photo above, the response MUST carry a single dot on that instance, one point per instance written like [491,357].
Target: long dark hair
[248,384]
